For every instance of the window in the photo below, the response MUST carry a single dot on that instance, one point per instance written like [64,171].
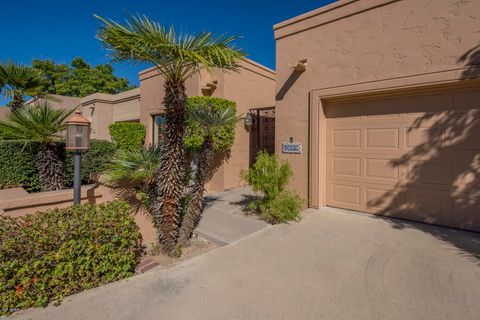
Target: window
[158,127]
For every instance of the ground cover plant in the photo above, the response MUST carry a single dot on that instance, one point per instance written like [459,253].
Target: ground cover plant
[49,255]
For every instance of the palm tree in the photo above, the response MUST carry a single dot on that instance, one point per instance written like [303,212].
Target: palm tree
[18,81]
[176,57]
[44,124]
[130,174]
[209,118]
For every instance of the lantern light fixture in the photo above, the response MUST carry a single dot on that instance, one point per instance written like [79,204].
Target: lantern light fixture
[78,132]
[78,139]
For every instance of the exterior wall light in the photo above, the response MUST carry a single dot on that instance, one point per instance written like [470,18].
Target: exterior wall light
[78,139]
[300,66]
[248,121]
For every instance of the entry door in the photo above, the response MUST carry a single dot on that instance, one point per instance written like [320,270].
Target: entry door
[415,156]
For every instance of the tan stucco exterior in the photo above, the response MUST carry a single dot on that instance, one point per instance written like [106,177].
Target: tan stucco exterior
[364,49]
[104,109]
[101,109]
[252,87]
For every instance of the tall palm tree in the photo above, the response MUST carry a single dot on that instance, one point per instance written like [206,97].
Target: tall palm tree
[44,124]
[19,81]
[209,118]
[176,57]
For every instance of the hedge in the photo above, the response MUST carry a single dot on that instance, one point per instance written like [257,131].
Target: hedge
[223,137]
[17,163]
[49,255]
[127,135]
[94,160]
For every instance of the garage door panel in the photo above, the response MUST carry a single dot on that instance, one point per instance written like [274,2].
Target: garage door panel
[415,137]
[427,172]
[385,138]
[381,168]
[381,200]
[415,157]
[345,195]
[345,139]
[345,166]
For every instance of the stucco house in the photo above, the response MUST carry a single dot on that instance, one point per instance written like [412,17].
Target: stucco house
[252,88]
[384,98]
[103,109]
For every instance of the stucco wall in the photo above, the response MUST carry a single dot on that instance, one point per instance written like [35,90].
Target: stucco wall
[152,93]
[362,41]
[253,87]
[104,109]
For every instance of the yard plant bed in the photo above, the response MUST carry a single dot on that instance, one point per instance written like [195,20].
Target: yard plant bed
[49,255]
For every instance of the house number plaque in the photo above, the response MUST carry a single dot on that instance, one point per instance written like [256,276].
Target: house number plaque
[292,147]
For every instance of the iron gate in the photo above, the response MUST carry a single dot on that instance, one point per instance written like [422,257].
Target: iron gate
[262,132]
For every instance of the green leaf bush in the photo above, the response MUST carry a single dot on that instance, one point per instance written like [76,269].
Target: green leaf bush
[94,160]
[270,177]
[127,135]
[49,255]
[17,163]
[223,137]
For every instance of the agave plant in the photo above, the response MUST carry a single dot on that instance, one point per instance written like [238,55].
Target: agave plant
[44,124]
[18,81]
[131,175]
[177,57]
[209,118]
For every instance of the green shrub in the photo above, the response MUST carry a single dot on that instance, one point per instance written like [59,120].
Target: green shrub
[49,255]
[17,163]
[285,207]
[127,135]
[94,160]
[269,176]
[223,137]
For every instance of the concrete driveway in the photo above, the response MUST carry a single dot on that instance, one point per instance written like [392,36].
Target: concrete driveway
[332,265]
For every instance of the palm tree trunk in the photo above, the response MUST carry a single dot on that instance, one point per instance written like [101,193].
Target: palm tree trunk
[50,168]
[195,206]
[170,174]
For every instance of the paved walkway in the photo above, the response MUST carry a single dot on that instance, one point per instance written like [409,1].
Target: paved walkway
[331,265]
[223,220]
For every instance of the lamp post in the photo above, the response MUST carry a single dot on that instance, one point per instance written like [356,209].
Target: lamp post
[78,139]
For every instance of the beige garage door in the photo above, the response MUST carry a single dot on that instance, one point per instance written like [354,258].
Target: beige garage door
[414,156]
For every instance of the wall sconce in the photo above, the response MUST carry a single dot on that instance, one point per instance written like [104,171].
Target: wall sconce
[300,66]
[209,87]
[248,121]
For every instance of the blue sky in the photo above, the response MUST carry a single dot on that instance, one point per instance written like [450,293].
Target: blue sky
[62,30]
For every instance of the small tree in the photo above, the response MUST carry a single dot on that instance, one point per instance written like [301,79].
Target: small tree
[209,118]
[43,124]
[270,177]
